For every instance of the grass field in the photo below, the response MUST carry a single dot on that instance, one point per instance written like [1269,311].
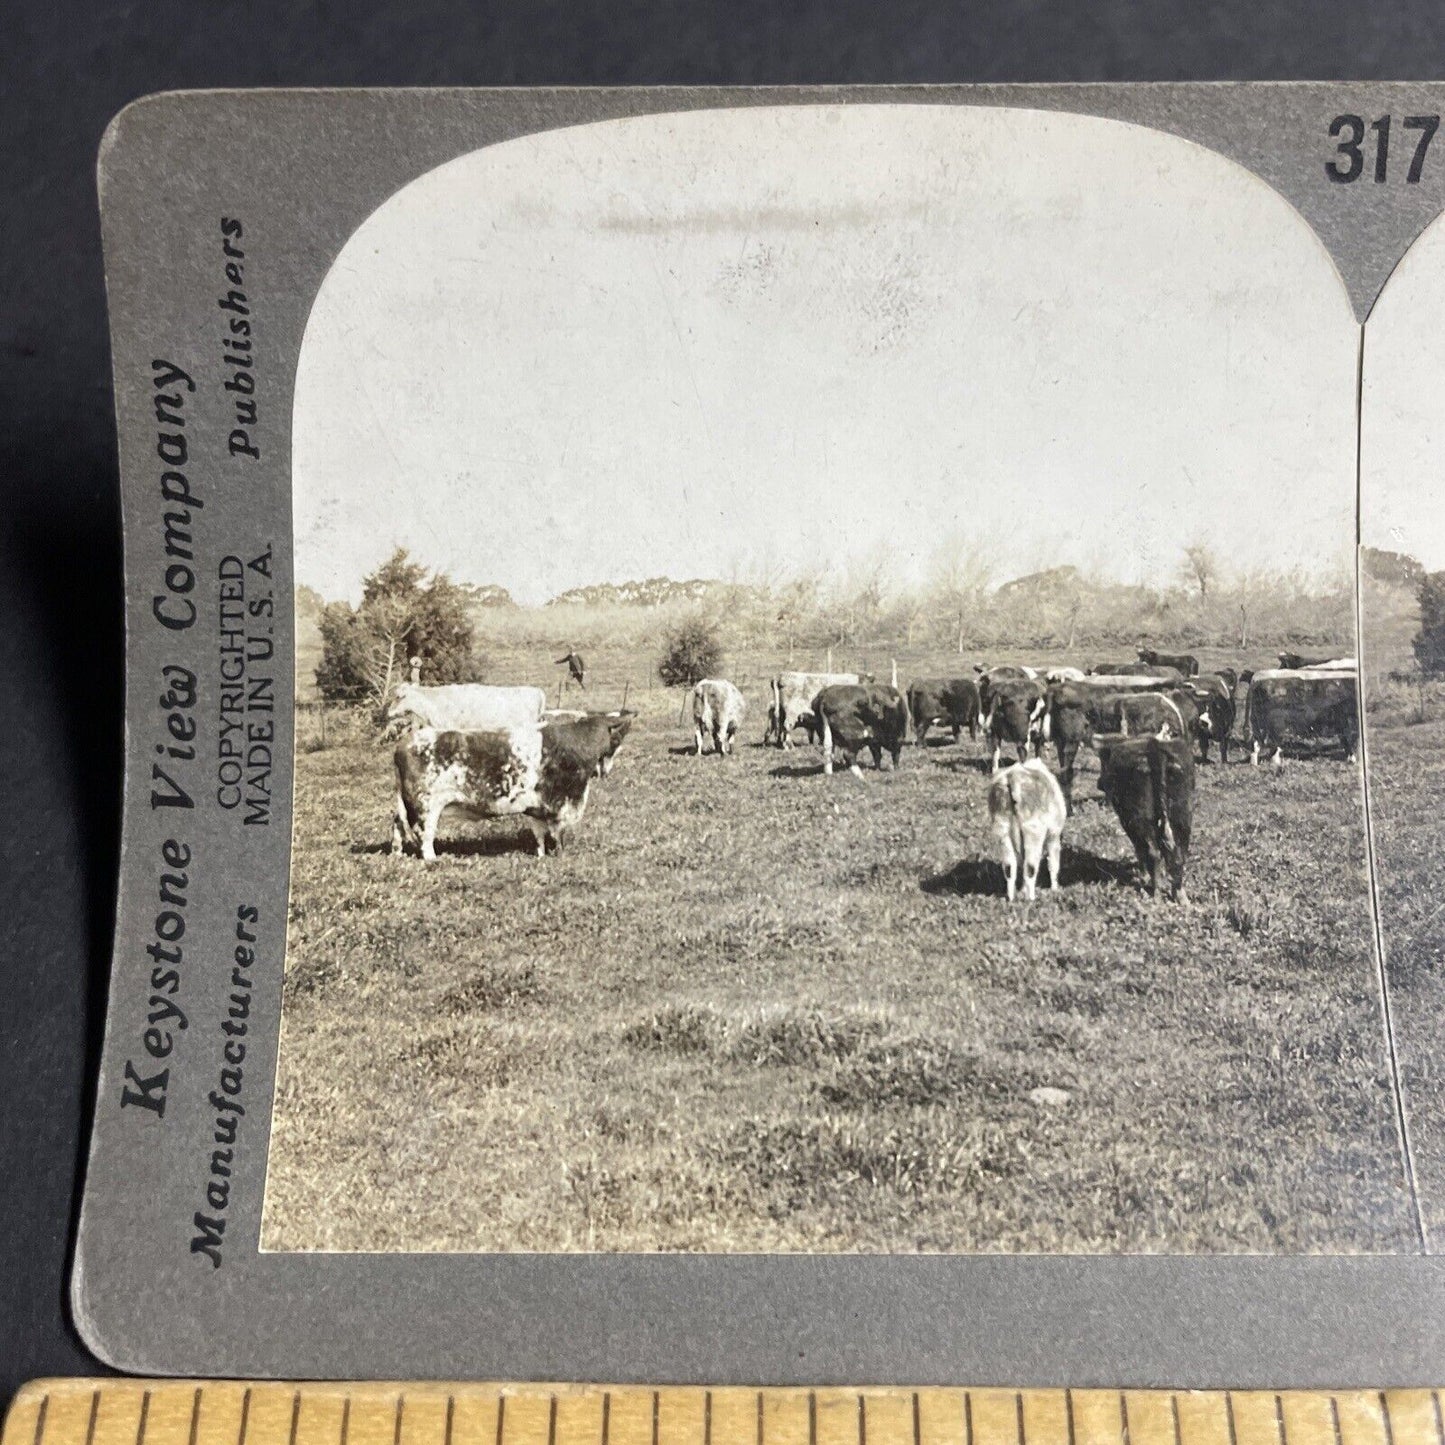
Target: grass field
[753,1008]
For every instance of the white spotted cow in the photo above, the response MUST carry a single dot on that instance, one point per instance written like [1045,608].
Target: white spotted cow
[542,773]
[1027,812]
[793,696]
[718,709]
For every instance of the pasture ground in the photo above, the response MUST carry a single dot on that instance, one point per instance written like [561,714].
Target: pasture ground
[754,1008]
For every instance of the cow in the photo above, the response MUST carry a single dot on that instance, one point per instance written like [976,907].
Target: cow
[1185,663]
[1149,783]
[1071,717]
[465,707]
[1304,705]
[1132,714]
[1064,674]
[952,701]
[1213,695]
[793,696]
[1135,669]
[1027,811]
[718,709]
[989,677]
[852,716]
[1293,662]
[543,773]
[1016,710]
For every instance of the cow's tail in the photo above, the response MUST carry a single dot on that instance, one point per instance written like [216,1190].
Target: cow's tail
[1159,776]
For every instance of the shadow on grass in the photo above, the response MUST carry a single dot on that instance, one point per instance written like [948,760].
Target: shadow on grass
[481,845]
[974,877]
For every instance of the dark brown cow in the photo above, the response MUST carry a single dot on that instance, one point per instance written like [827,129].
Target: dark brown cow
[953,701]
[1149,783]
[1016,710]
[1310,707]
[1185,663]
[851,718]
[1213,694]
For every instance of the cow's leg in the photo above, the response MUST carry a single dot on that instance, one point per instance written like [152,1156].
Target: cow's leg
[1033,854]
[827,748]
[429,832]
[1279,755]
[957,732]
[400,828]
[1254,753]
[920,731]
[1056,850]
[1010,866]
[697,739]
[877,756]
[997,749]
[539,834]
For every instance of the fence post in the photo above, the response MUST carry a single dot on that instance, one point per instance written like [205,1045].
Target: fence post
[893,662]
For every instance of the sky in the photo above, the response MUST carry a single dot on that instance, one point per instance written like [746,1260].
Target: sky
[1402,432]
[752,342]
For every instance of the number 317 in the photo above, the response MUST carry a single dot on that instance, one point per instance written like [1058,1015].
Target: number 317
[1348,132]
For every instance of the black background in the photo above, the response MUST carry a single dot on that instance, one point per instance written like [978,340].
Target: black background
[65,69]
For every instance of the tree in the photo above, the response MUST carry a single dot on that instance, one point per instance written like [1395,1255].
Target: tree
[1200,566]
[962,570]
[691,652]
[1429,641]
[404,615]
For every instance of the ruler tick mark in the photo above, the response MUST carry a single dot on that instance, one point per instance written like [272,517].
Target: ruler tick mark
[656,1408]
[295,1418]
[1229,1415]
[1069,1413]
[345,1419]
[396,1423]
[1385,1419]
[812,1418]
[94,1413]
[552,1423]
[1279,1420]
[606,1417]
[246,1417]
[1019,1415]
[1124,1417]
[917,1420]
[502,1415]
[707,1418]
[1174,1416]
[1335,1420]
[862,1421]
[195,1420]
[760,1417]
[967,1418]
[40,1415]
[145,1409]
[1439,1424]
[451,1410]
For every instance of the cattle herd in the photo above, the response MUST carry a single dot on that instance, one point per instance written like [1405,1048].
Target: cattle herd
[489,751]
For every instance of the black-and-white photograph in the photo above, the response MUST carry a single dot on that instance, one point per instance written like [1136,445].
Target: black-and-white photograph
[827,704]
[1402,608]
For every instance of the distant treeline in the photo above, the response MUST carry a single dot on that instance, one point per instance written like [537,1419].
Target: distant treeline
[451,628]
[1059,608]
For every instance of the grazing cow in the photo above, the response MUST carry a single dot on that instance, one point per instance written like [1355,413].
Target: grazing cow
[1213,694]
[1077,711]
[1064,674]
[1303,706]
[1149,782]
[1185,663]
[850,717]
[1027,810]
[465,707]
[718,709]
[1016,711]
[793,696]
[952,701]
[1293,662]
[1228,676]
[542,773]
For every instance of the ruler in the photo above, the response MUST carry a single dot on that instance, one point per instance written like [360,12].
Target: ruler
[189,1412]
